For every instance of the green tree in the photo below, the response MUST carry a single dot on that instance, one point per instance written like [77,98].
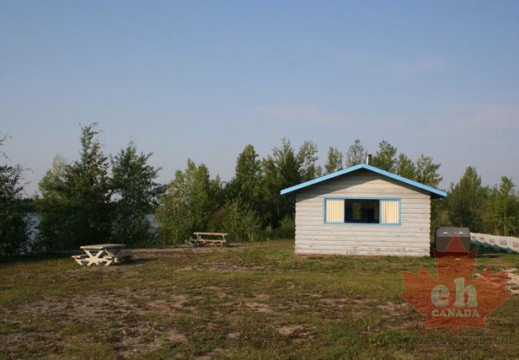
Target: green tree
[75,206]
[13,228]
[355,154]
[334,161]
[201,195]
[247,182]
[188,204]
[502,215]
[281,170]
[135,192]
[307,159]
[427,171]
[405,167]
[439,214]
[466,201]
[173,213]
[56,226]
[385,158]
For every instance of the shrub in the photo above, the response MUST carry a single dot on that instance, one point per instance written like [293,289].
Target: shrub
[286,229]
[237,219]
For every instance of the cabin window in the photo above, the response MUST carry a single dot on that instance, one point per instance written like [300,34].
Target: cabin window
[362,211]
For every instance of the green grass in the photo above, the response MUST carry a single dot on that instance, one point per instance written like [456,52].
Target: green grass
[252,301]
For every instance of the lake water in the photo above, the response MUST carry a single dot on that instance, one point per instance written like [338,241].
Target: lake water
[33,220]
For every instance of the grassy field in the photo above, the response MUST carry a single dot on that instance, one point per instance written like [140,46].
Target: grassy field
[248,301]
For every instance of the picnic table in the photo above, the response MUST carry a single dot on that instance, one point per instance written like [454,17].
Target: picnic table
[106,254]
[202,238]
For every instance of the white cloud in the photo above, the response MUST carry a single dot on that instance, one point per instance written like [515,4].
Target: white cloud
[495,116]
[309,114]
[482,116]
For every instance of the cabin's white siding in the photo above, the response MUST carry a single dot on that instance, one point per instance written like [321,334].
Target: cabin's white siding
[410,238]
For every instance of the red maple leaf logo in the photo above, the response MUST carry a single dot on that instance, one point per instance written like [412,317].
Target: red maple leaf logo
[455,299]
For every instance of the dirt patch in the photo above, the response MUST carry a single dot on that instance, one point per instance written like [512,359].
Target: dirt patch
[394,309]
[398,316]
[79,272]
[291,305]
[259,307]
[79,308]
[173,303]
[289,329]
[233,336]
[118,317]
[105,305]
[145,338]
[297,332]
[261,297]
[187,268]
[344,302]
[335,301]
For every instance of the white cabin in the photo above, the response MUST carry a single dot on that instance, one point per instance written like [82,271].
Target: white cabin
[363,210]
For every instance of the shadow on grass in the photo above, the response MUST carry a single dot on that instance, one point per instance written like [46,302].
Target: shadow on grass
[32,258]
[136,262]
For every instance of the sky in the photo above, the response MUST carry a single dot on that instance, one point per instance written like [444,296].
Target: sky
[202,79]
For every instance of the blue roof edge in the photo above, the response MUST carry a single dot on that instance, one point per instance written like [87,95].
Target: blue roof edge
[431,190]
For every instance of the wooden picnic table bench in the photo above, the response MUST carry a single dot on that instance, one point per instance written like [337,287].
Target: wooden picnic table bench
[203,238]
[106,254]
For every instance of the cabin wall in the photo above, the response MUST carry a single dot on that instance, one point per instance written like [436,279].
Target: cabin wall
[410,238]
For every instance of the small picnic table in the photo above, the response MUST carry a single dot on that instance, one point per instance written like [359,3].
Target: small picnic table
[202,238]
[106,254]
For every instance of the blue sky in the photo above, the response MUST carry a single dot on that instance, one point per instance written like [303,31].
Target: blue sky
[202,79]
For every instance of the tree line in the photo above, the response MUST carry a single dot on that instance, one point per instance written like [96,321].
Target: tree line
[109,198]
